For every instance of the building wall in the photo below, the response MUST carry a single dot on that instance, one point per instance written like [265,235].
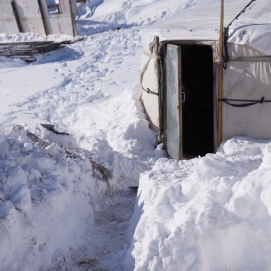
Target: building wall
[8,23]
[60,23]
[30,16]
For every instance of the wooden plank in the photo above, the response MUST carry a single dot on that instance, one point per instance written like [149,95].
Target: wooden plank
[220,76]
[72,12]
[28,49]
[42,12]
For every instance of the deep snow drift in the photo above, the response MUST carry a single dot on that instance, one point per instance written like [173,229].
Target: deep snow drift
[44,192]
[209,213]
[64,201]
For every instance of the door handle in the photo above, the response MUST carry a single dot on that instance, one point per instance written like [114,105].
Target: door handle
[183,93]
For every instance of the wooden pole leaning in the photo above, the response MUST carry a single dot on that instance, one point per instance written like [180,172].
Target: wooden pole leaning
[72,13]
[42,11]
[220,77]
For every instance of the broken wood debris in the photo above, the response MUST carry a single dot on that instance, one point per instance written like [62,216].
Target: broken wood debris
[27,50]
[52,128]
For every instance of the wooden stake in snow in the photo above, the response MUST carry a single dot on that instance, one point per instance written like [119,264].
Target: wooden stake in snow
[220,78]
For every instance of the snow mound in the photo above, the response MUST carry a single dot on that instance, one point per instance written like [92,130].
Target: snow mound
[48,195]
[97,16]
[209,213]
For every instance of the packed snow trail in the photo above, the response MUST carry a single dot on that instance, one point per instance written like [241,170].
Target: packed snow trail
[106,241]
[87,71]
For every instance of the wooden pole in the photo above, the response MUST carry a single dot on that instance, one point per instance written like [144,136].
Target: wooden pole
[41,7]
[17,18]
[220,77]
[74,27]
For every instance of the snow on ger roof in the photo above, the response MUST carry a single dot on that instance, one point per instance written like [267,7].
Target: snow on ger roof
[202,22]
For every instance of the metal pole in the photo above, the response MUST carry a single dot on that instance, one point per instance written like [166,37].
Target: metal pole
[220,77]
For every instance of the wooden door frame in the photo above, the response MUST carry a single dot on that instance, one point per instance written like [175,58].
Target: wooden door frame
[215,48]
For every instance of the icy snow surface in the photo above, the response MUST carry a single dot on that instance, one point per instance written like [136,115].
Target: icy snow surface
[64,198]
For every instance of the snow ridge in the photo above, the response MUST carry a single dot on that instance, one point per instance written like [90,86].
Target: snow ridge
[42,189]
[209,213]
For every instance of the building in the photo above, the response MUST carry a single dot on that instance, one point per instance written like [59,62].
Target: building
[182,70]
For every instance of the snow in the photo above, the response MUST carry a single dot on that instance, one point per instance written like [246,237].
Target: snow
[208,213]
[27,37]
[42,190]
[64,198]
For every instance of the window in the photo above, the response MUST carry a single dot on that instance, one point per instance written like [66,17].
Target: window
[53,7]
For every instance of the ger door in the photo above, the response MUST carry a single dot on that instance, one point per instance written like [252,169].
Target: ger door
[174,102]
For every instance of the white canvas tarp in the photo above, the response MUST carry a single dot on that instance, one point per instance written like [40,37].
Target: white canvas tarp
[247,80]
[252,27]
[149,79]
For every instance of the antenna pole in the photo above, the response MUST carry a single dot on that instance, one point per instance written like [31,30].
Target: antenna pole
[220,77]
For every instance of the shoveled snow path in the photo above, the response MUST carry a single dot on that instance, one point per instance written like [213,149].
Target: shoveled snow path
[110,229]
[108,236]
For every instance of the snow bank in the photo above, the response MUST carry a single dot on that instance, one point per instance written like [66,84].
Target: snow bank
[209,213]
[118,133]
[130,12]
[97,16]
[27,37]
[50,188]
[47,199]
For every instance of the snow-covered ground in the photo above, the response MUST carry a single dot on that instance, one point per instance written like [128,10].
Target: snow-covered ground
[210,213]
[64,198]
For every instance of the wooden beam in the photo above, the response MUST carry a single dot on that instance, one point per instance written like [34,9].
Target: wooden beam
[17,18]
[220,76]
[43,17]
[72,12]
